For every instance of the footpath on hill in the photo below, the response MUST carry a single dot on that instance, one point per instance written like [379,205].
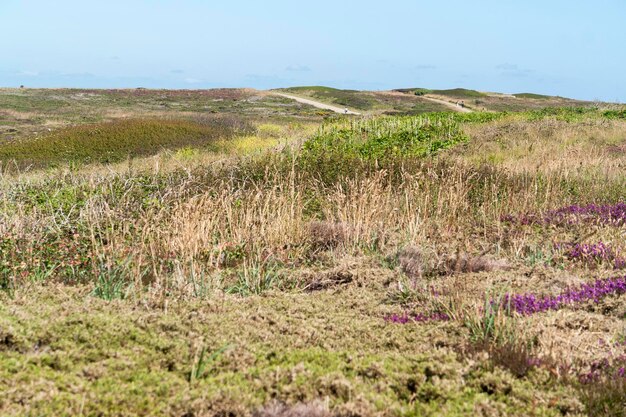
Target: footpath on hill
[343,110]
[448,104]
[317,104]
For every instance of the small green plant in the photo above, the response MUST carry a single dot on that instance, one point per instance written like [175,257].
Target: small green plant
[199,368]
[409,292]
[202,283]
[492,324]
[539,257]
[255,279]
[7,284]
[496,332]
[42,273]
[186,153]
[112,281]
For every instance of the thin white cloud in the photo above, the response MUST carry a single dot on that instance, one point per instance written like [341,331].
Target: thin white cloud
[513,70]
[425,67]
[298,68]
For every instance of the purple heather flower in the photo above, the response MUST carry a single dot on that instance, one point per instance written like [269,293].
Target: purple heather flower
[527,304]
[593,252]
[611,214]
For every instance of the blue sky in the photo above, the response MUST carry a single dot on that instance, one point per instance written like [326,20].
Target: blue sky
[574,48]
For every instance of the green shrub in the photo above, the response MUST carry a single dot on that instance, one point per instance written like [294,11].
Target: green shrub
[615,114]
[532,95]
[460,93]
[568,114]
[346,145]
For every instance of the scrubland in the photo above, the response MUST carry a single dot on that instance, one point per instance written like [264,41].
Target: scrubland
[440,264]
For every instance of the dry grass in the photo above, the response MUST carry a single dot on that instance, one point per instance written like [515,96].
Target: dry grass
[528,147]
[299,410]
[326,235]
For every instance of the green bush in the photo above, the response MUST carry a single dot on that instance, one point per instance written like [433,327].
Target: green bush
[460,93]
[615,114]
[347,145]
[568,114]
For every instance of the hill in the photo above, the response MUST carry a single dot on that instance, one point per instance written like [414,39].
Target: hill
[489,101]
[389,102]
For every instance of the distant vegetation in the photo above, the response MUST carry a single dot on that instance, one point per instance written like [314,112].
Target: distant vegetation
[460,93]
[112,141]
[455,92]
[350,98]
[375,102]
[31,103]
[478,100]
[532,95]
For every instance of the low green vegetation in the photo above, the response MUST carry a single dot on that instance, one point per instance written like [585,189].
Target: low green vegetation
[532,95]
[112,141]
[339,145]
[23,102]
[460,93]
[416,91]
[227,360]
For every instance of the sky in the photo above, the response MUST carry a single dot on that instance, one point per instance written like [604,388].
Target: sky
[574,48]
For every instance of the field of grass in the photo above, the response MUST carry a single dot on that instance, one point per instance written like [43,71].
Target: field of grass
[442,264]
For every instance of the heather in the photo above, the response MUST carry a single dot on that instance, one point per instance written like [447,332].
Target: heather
[593,253]
[606,214]
[526,304]
[291,262]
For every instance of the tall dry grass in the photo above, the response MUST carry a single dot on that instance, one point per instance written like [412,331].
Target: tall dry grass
[164,229]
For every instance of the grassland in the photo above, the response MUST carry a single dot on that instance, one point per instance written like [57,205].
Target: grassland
[28,113]
[376,102]
[439,264]
[496,102]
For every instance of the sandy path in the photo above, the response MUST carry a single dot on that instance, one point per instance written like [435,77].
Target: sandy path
[447,104]
[317,104]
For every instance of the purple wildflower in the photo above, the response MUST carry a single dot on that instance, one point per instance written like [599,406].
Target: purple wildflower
[610,214]
[593,253]
[613,214]
[527,304]
[610,367]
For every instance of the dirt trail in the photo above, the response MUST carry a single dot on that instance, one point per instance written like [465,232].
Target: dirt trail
[446,103]
[317,104]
